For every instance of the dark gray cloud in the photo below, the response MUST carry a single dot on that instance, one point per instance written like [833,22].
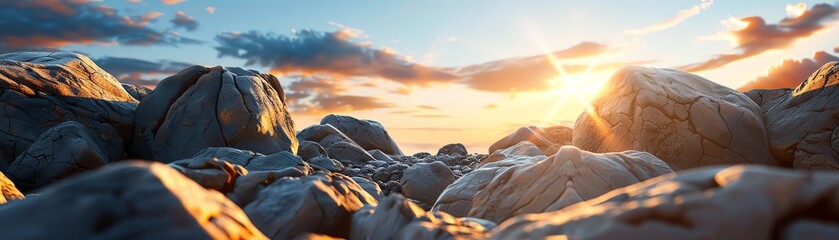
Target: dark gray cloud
[51,24]
[138,71]
[326,53]
[790,73]
[181,20]
[758,36]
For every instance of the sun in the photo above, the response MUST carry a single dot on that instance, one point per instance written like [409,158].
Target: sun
[578,87]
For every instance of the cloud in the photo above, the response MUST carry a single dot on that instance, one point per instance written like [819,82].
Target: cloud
[211,9]
[427,107]
[431,116]
[790,73]
[527,73]
[836,49]
[753,36]
[318,94]
[138,71]
[532,74]
[50,24]
[183,21]
[681,16]
[491,106]
[172,2]
[326,103]
[334,53]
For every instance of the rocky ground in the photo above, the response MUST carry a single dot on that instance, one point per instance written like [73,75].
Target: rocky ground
[213,152]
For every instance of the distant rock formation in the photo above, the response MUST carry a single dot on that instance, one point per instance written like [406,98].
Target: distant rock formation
[802,122]
[43,89]
[202,107]
[681,118]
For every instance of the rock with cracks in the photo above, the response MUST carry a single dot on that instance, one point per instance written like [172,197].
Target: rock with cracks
[527,184]
[203,107]
[740,202]
[39,90]
[129,200]
[802,122]
[684,119]
[320,203]
[64,150]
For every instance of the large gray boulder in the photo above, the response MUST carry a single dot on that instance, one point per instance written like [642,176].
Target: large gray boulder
[128,200]
[686,120]
[8,191]
[62,151]
[397,218]
[802,122]
[739,202]
[534,184]
[43,89]
[203,107]
[319,203]
[369,134]
[425,181]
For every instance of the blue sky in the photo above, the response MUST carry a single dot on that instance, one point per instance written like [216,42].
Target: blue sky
[442,36]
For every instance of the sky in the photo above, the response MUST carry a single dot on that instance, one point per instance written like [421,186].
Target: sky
[437,72]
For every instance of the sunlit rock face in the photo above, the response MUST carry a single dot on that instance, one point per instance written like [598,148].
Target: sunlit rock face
[547,140]
[684,119]
[202,107]
[519,184]
[740,202]
[369,134]
[62,151]
[8,191]
[802,122]
[397,218]
[39,90]
[129,200]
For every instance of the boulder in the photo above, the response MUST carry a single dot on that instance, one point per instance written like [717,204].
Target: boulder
[309,150]
[532,134]
[62,151]
[136,92]
[397,218]
[739,202]
[319,203]
[336,144]
[686,120]
[201,107]
[381,156]
[253,161]
[368,134]
[425,181]
[42,89]
[534,184]
[802,122]
[8,191]
[369,186]
[127,200]
[453,149]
